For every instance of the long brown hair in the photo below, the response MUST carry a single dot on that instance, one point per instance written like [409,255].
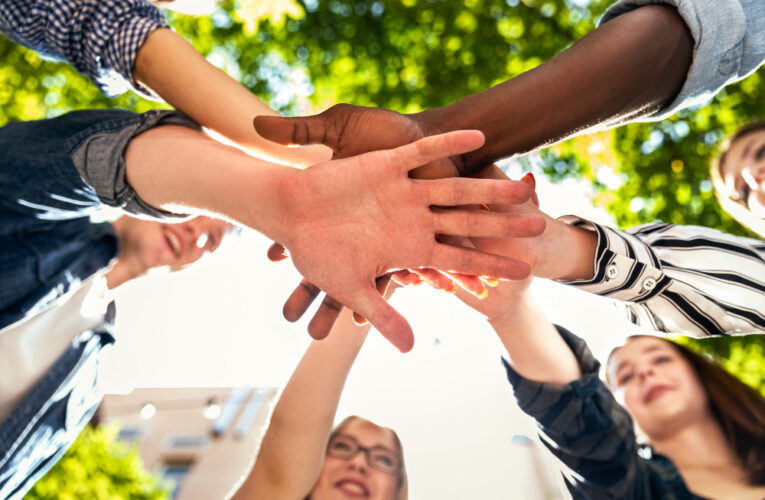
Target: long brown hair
[402,492]
[738,408]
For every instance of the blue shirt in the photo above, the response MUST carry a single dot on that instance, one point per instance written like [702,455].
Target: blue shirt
[729,44]
[53,174]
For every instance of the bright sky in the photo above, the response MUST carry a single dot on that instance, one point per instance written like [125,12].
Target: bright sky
[220,324]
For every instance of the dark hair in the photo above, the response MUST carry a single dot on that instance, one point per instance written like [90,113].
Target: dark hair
[738,409]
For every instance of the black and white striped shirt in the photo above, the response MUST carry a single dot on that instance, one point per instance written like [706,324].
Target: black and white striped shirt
[691,280]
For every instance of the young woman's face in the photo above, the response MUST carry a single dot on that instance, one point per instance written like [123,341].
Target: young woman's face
[178,245]
[657,386]
[743,172]
[353,478]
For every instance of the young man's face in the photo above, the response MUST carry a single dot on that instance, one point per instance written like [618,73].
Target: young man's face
[178,245]
[743,172]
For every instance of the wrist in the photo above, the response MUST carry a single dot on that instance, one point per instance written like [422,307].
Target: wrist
[579,245]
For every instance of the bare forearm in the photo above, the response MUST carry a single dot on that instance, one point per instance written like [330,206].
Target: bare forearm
[629,67]
[535,349]
[182,170]
[169,65]
[292,452]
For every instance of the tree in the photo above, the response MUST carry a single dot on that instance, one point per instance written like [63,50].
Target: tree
[99,466]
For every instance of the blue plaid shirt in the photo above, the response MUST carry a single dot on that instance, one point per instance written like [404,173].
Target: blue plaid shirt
[582,424]
[100,38]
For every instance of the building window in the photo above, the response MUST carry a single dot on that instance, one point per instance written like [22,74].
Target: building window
[175,471]
[186,441]
[129,433]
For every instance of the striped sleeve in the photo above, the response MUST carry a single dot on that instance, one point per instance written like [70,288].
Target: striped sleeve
[100,38]
[690,280]
[592,435]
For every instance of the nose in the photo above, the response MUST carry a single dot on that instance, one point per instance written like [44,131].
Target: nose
[643,370]
[358,461]
[754,175]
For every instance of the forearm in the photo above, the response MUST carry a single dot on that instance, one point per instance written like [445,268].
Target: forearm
[629,67]
[171,67]
[181,170]
[292,452]
[535,348]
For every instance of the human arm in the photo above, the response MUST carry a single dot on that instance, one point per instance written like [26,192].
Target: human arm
[363,210]
[626,68]
[292,451]
[677,279]
[555,381]
[127,42]
[167,64]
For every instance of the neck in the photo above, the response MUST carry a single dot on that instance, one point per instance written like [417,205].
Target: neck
[700,444]
[128,265]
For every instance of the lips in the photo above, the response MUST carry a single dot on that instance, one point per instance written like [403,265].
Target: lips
[173,240]
[353,488]
[655,392]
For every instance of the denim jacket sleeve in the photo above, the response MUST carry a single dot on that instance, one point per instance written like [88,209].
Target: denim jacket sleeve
[729,44]
[67,167]
[100,38]
[582,425]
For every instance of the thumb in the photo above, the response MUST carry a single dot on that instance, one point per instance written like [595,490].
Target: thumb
[385,319]
[293,131]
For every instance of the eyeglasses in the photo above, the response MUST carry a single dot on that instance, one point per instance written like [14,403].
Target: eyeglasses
[378,457]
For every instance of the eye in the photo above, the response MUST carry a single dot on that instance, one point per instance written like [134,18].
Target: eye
[662,359]
[341,446]
[385,459]
[624,379]
[760,153]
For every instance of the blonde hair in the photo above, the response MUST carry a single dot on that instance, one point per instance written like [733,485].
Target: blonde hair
[402,492]
[738,211]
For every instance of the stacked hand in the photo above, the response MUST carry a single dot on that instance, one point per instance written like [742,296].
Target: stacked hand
[347,222]
[351,130]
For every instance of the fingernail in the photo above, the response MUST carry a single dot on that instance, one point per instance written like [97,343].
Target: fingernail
[490,281]
[453,289]
[483,294]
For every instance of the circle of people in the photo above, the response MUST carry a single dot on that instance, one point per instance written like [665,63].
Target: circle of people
[435,210]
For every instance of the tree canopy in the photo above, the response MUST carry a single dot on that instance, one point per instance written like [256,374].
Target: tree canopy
[99,466]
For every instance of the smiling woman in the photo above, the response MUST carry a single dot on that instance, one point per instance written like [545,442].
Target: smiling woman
[303,458]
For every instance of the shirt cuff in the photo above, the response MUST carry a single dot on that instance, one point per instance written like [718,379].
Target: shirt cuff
[625,267]
[98,153]
[719,29]
[540,400]
[120,54]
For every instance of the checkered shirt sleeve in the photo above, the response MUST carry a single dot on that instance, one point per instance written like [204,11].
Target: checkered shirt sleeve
[100,38]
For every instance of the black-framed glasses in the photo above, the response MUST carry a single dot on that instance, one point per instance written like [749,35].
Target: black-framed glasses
[379,458]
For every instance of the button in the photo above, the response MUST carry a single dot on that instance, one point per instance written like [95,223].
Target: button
[612,271]
[649,284]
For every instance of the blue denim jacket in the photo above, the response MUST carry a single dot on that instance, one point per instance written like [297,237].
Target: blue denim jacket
[53,175]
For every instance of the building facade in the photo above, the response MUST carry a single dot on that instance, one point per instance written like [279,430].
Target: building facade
[202,440]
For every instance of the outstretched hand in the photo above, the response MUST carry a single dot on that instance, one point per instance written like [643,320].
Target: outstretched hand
[348,221]
[351,130]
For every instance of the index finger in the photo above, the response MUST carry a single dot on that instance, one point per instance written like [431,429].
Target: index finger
[434,147]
